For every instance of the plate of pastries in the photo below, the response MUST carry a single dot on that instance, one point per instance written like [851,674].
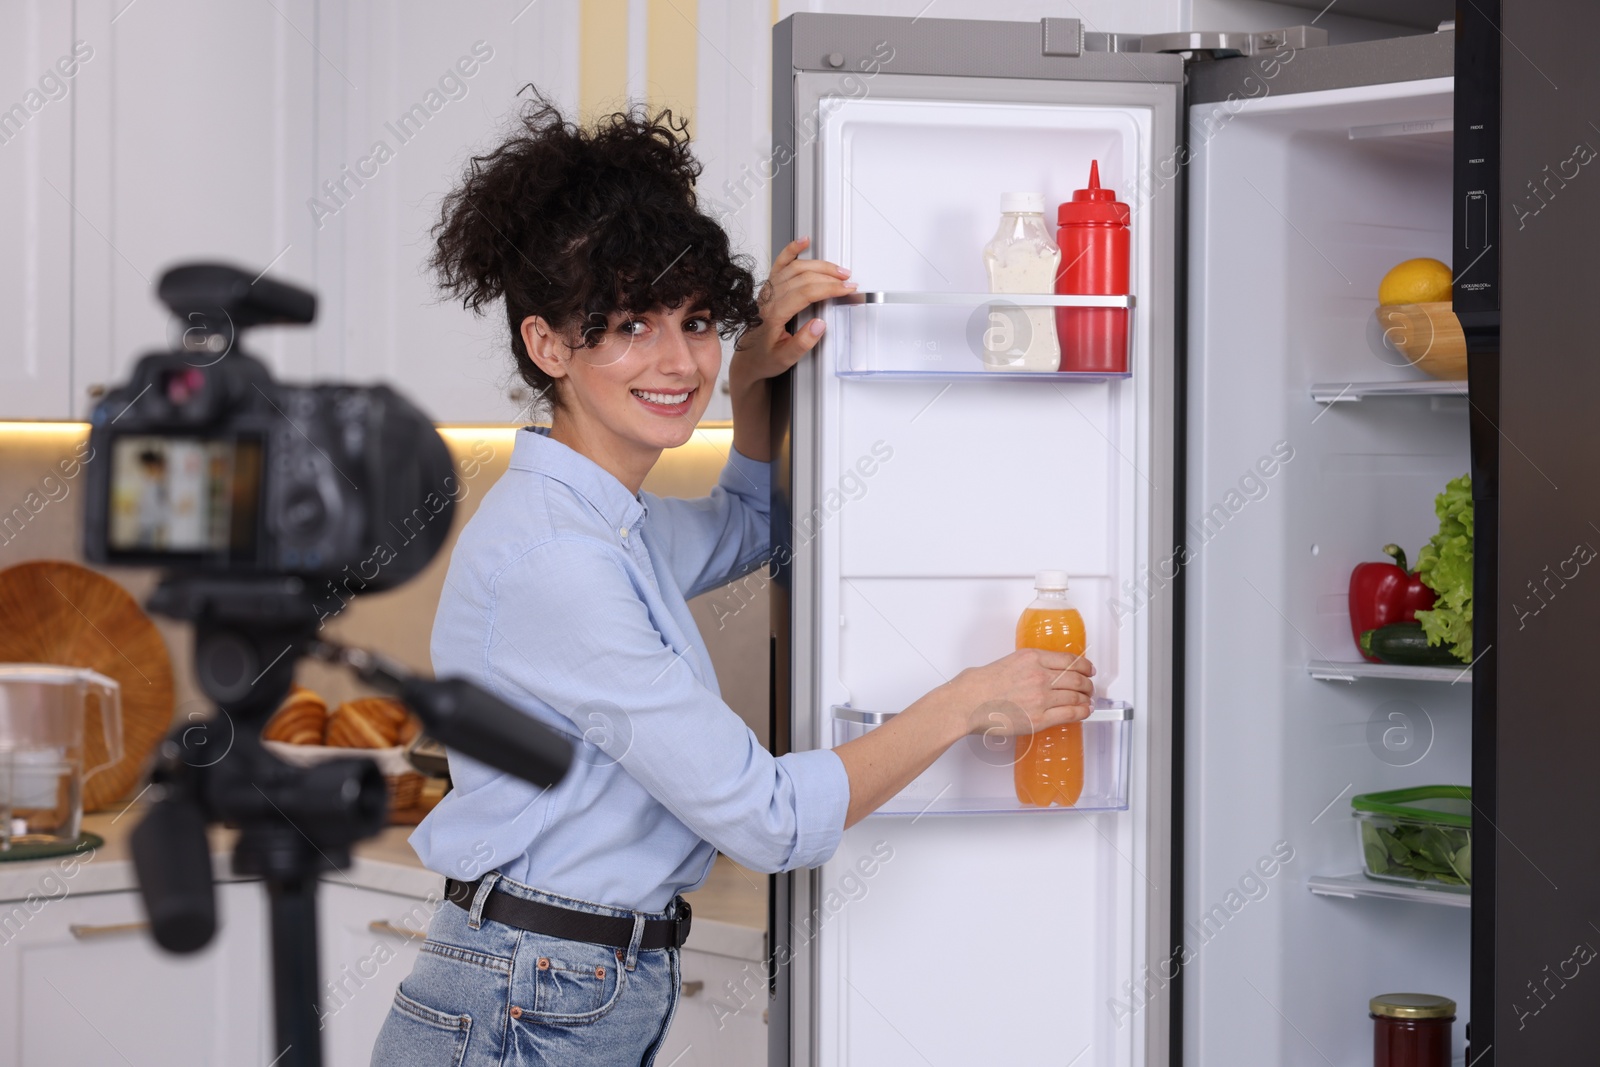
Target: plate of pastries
[304,731]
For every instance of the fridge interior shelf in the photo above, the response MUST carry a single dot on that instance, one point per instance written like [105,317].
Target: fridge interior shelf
[1351,886]
[942,336]
[1346,392]
[1339,671]
[975,776]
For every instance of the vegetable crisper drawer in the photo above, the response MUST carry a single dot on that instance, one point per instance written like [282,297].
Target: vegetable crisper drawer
[976,775]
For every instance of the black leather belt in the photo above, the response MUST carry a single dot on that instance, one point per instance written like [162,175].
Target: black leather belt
[553,921]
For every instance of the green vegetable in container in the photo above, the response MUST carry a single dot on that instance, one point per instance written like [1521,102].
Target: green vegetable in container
[1426,853]
[1445,565]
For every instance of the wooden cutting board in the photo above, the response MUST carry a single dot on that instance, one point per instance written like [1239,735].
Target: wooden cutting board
[52,611]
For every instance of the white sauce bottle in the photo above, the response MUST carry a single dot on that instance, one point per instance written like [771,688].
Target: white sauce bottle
[1021,258]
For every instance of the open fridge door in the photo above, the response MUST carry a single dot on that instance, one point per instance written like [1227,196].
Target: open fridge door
[920,493]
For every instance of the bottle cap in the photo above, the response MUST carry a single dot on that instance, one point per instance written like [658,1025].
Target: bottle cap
[1093,205]
[1010,203]
[1050,580]
[1412,1006]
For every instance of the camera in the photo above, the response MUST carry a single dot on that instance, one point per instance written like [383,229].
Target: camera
[212,466]
[247,493]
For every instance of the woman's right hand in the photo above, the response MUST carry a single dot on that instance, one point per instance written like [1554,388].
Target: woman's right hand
[1028,691]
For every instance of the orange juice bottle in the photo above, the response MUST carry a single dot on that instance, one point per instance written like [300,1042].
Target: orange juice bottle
[1049,767]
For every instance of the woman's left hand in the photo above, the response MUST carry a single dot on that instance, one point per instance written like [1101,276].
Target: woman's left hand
[770,349]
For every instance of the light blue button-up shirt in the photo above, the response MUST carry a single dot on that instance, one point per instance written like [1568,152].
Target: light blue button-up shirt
[566,597]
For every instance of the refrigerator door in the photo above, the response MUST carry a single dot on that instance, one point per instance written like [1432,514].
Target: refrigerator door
[968,929]
[1311,444]
[1541,925]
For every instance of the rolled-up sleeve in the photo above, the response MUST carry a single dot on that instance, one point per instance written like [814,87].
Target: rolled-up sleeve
[571,602]
[721,537]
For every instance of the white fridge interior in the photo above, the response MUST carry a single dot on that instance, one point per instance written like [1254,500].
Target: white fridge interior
[1298,205]
[990,933]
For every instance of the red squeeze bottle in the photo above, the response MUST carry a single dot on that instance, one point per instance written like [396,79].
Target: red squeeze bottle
[1093,236]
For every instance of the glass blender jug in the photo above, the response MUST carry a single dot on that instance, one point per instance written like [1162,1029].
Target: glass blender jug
[43,709]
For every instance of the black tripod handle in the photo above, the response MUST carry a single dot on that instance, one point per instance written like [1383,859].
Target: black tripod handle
[173,861]
[460,715]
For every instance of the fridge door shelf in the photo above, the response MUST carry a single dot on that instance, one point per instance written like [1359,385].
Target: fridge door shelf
[975,776]
[973,300]
[940,336]
[1339,671]
[1352,886]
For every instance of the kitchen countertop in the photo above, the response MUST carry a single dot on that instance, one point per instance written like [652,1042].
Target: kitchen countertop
[730,910]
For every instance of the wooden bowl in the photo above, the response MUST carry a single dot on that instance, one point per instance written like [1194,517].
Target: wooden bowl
[1428,336]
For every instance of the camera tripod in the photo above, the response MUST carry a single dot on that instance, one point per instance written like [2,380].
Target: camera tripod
[294,823]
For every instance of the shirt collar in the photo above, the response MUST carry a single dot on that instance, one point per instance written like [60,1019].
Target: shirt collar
[536,452]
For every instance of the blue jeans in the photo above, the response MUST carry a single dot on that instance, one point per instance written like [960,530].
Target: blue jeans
[483,993]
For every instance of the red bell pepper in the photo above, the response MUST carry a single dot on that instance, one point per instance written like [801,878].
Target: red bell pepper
[1383,593]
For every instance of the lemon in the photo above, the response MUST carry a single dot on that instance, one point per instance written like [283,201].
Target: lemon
[1416,281]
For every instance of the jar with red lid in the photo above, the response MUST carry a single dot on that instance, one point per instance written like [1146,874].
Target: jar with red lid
[1411,1030]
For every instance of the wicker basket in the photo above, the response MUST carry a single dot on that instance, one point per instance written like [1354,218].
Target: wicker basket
[405,790]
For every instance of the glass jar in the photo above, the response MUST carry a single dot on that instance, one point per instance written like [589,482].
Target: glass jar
[1411,1030]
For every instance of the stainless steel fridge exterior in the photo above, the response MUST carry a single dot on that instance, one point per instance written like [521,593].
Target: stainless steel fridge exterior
[1536,934]
[1532,786]
[933,59]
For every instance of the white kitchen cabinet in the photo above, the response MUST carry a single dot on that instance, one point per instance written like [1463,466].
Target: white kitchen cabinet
[35,216]
[369,942]
[428,87]
[251,134]
[193,139]
[82,983]
[722,1014]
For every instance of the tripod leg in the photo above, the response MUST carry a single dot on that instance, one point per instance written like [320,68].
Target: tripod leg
[293,903]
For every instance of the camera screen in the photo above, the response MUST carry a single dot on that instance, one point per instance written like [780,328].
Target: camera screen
[184,496]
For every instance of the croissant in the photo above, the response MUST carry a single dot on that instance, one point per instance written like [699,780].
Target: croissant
[371,722]
[300,720]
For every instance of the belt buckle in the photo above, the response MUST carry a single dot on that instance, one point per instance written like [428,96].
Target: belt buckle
[681,924]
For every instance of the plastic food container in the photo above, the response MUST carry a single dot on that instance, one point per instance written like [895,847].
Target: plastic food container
[1419,836]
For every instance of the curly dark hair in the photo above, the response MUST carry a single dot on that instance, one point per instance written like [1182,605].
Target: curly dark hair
[574,224]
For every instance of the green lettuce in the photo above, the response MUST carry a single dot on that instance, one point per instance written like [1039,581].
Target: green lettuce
[1445,565]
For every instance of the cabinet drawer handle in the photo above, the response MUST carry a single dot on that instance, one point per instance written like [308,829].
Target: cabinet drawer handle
[84,932]
[384,926]
[691,988]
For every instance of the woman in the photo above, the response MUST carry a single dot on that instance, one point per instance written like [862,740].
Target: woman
[566,596]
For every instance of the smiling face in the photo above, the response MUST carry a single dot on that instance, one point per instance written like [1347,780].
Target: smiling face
[639,385]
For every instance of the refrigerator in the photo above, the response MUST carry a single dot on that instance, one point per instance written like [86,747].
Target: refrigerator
[1203,902]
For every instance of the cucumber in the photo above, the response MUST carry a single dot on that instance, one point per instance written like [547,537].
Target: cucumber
[1404,643]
